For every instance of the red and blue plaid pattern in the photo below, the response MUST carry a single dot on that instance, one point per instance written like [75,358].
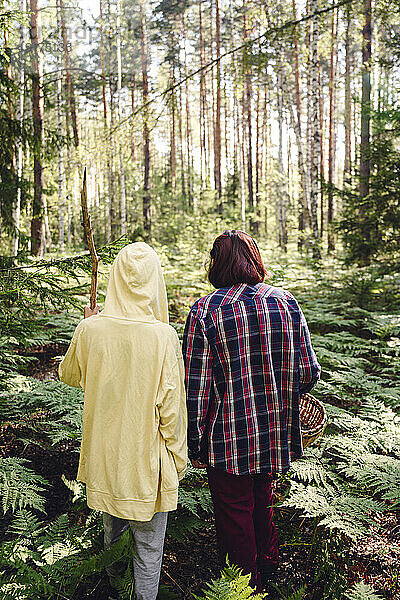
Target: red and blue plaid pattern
[248,356]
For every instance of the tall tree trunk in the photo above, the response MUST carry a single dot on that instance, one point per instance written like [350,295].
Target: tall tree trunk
[172,132]
[226,129]
[119,89]
[316,140]
[146,130]
[282,193]
[16,216]
[331,150]
[258,165]
[217,122]
[241,140]
[181,152]
[296,67]
[113,224]
[249,127]
[365,158]
[133,89]
[301,213]
[309,145]
[188,127]
[68,78]
[37,223]
[322,153]
[347,106]
[61,208]
[106,130]
[202,123]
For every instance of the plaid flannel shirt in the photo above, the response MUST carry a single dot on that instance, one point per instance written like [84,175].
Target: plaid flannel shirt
[248,356]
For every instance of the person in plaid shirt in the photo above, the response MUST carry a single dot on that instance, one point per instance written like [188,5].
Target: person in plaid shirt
[248,357]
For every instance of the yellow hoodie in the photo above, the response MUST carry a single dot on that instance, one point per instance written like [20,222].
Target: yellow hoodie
[128,361]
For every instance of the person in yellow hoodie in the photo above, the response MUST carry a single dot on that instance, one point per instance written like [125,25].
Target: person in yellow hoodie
[128,361]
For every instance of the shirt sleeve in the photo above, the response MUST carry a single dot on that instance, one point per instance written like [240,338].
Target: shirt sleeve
[309,368]
[198,362]
[173,414]
[69,370]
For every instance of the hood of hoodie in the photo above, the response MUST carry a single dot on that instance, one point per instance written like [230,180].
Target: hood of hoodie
[136,288]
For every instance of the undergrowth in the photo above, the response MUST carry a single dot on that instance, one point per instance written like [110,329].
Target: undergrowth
[333,494]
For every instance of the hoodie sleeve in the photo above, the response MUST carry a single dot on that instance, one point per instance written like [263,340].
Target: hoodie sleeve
[70,369]
[172,411]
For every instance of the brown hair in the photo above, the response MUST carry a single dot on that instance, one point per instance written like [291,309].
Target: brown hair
[235,258]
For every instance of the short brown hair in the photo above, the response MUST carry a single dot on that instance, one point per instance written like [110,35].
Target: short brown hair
[235,258]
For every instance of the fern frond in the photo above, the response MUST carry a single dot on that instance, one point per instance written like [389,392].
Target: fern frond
[182,527]
[232,585]
[362,591]
[195,500]
[20,487]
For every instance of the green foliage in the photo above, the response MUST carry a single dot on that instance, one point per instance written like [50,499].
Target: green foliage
[370,228]
[337,487]
[362,591]
[49,411]
[20,486]
[232,585]
[46,560]
[195,505]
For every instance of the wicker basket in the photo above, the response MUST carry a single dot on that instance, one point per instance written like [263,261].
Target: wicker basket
[312,419]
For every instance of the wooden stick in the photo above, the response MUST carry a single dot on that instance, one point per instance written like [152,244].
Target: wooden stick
[90,242]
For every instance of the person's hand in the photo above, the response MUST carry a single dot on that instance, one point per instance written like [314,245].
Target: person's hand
[198,465]
[88,312]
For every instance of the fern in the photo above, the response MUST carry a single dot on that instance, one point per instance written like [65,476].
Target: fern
[183,526]
[125,584]
[20,486]
[232,585]
[362,591]
[335,509]
[378,473]
[312,469]
[195,500]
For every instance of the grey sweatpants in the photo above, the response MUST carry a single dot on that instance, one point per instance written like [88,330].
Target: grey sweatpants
[149,543]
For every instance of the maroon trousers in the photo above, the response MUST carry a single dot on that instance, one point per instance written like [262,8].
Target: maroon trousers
[243,519]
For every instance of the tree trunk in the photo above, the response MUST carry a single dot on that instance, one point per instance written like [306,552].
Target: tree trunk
[347,107]
[331,150]
[202,123]
[241,140]
[113,225]
[282,193]
[316,140]
[322,154]
[181,152]
[296,67]
[188,127]
[68,78]
[304,178]
[173,133]
[119,89]
[146,131]
[256,221]
[61,192]
[365,158]
[249,128]
[37,223]
[133,88]
[20,154]
[106,131]
[217,122]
